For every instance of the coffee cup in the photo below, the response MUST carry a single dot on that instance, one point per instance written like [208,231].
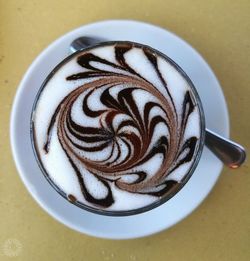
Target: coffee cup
[117,128]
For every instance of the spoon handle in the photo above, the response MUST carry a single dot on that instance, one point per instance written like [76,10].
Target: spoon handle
[229,152]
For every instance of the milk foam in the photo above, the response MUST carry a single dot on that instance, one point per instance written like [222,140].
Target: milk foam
[56,162]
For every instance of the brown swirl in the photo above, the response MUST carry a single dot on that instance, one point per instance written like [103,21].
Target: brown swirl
[134,133]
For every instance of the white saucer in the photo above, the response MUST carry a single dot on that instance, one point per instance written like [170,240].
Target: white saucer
[168,214]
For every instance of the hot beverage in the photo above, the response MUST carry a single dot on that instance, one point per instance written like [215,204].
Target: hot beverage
[117,127]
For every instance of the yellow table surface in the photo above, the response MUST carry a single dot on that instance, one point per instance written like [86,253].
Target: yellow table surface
[220,228]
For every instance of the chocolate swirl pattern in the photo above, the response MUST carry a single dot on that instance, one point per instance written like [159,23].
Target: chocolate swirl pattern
[122,128]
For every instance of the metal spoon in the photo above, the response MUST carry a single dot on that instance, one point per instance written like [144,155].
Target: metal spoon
[229,152]
[84,42]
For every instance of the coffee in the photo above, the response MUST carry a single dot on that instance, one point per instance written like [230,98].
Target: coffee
[117,127]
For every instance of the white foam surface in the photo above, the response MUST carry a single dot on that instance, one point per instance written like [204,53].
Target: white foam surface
[56,162]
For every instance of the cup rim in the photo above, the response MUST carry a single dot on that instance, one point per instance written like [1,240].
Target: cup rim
[158,202]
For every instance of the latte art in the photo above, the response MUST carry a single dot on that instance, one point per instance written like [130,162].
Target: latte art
[117,127]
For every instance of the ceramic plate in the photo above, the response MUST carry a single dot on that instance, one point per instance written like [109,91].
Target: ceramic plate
[162,217]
